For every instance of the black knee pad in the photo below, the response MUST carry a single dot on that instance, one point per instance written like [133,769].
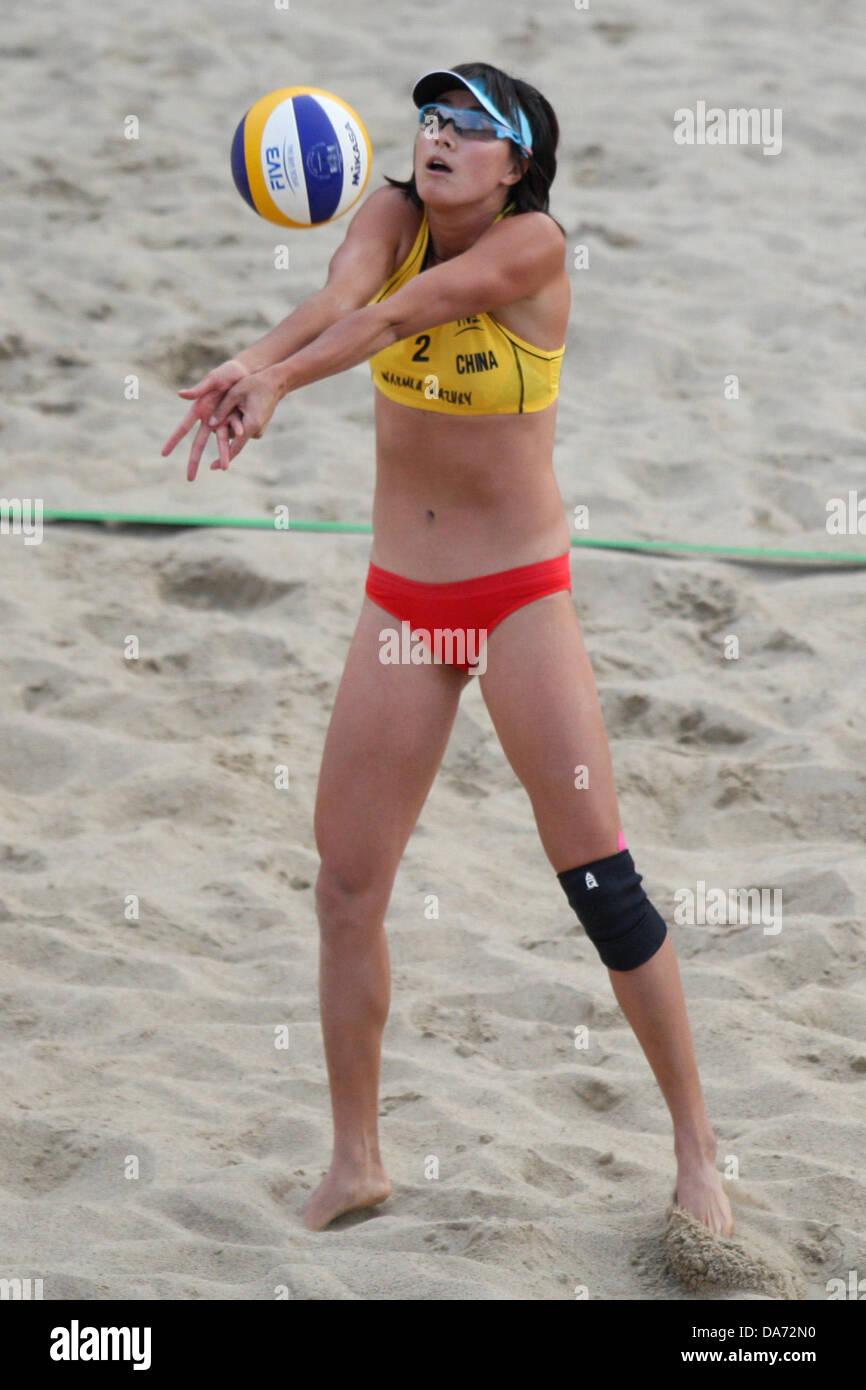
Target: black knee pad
[614,910]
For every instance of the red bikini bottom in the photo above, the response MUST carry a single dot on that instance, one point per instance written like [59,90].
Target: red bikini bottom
[469,608]
[468,605]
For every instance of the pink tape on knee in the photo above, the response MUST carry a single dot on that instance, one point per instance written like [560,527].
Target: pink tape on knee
[621,843]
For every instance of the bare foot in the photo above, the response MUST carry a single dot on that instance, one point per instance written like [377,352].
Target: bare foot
[345,1188]
[699,1191]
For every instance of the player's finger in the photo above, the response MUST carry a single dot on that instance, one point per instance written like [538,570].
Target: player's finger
[233,446]
[222,435]
[183,428]
[200,387]
[196,451]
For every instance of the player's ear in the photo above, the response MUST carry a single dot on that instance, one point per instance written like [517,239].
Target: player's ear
[518,167]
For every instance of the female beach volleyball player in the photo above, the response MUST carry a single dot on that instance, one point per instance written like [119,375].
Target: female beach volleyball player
[454,285]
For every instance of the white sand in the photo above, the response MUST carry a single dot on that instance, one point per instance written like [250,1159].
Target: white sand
[156,777]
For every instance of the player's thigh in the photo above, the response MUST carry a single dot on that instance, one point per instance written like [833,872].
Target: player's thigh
[540,690]
[386,739]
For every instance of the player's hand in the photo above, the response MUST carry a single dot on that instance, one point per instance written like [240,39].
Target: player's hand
[206,396]
[253,400]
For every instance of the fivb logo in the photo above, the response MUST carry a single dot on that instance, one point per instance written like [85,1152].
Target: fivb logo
[17,518]
[736,907]
[75,1343]
[21,1289]
[421,646]
[738,126]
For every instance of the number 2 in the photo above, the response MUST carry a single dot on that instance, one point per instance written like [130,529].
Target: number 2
[423,341]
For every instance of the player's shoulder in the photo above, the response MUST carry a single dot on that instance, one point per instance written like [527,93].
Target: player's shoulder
[391,219]
[376,240]
[532,236]
[389,196]
[386,209]
[537,224]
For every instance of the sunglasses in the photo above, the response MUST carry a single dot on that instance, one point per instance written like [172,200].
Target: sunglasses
[469,125]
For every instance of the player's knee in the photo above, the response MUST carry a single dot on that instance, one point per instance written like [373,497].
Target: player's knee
[349,898]
[614,910]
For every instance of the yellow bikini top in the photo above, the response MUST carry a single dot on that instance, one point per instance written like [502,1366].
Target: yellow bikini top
[470,366]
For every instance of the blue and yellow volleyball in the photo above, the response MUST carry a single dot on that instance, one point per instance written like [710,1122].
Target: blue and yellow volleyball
[301,157]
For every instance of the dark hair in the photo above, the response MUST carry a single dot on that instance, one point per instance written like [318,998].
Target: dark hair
[532,193]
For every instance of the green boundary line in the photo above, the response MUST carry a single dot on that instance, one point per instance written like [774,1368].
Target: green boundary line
[356,527]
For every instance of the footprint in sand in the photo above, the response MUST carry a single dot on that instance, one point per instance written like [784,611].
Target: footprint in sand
[745,1261]
[219,581]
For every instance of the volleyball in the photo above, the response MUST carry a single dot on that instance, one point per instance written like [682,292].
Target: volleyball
[301,157]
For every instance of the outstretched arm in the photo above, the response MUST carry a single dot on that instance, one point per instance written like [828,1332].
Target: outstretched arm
[359,266]
[512,260]
[361,263]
